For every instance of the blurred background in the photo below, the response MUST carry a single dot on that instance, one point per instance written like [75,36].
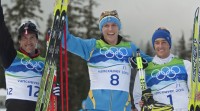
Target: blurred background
[140,18]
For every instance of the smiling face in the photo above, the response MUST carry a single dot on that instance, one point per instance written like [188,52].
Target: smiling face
[162,48]
[110,32]
[28,42]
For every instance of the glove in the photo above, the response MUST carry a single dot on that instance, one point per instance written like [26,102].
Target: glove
[147,96]
[151,105]
[133,62]
[56,90]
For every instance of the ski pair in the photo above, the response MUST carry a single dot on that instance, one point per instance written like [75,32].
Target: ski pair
[52,55]
[194,105]
[149,103]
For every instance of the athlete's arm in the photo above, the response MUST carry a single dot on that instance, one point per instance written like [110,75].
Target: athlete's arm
[77,45]
[7,50]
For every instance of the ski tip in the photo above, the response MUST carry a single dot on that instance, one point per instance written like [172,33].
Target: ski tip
[197,12]
[65,2]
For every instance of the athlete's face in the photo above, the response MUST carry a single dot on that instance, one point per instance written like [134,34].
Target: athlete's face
[110,33]
[28,42]
[162,48]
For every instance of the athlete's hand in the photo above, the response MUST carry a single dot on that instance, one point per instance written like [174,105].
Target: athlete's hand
[56,90]
[133,62]
[141,103]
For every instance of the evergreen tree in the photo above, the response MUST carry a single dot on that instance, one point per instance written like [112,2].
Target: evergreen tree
[20,10]
[47,33]
[75,16]
[82,23]
[175,50]
[189,51]
[92,28]
[182,48]
[149,49]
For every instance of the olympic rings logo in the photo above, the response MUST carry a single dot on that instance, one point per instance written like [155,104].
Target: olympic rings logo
[165,72]
[114,52]
[38,66]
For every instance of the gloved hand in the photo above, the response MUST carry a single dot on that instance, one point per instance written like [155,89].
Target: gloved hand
[56,90]
[133,62]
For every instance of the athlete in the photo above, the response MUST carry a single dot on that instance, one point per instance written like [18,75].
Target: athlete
[23,67]
[167,76]
[108,65]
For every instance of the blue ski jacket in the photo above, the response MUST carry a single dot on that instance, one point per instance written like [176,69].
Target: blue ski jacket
[109,71]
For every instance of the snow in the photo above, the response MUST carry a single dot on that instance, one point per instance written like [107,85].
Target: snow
[2,92]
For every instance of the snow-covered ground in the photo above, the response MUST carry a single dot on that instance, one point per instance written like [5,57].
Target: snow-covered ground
[2,92]
[2,99]
[2,109]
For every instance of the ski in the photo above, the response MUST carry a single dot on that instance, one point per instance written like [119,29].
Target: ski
[197,103]
[195,61]
[52,55]
[49,57]
[53,98]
